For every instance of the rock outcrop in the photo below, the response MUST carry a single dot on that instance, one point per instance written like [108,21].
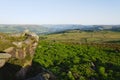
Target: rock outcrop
[20,50]
[23,48]
[3,58]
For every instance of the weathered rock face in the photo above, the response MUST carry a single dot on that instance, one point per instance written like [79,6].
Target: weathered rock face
[19,50]
[3,58]
[23,50]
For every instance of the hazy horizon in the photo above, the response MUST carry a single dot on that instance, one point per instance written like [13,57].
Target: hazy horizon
[60,24]
[39,12]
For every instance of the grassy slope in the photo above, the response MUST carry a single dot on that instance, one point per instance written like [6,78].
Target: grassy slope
[81,36]
[77,61]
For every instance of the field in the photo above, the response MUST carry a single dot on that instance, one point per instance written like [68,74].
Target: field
[82,36]
[80,55]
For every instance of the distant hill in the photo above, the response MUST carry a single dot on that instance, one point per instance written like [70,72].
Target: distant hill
[46,29]
[19,28]
[39,29]
[104,27]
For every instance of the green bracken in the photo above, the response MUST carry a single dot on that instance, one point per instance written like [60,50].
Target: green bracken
[78,62]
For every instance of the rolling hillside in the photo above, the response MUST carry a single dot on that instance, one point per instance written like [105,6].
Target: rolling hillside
[47,29]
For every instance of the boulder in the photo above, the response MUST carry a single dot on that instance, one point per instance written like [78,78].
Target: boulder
[18,58]
[9,49]
[20,51]
[24,46]
[2,62]
[3,58]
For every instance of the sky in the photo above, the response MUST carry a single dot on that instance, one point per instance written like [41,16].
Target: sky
[86,12]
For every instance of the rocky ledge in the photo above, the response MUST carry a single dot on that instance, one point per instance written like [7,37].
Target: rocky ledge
[22,48]
[3,58]
[16,54]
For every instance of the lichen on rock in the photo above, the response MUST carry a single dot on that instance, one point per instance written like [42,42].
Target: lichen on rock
[20,50]
[23,51]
